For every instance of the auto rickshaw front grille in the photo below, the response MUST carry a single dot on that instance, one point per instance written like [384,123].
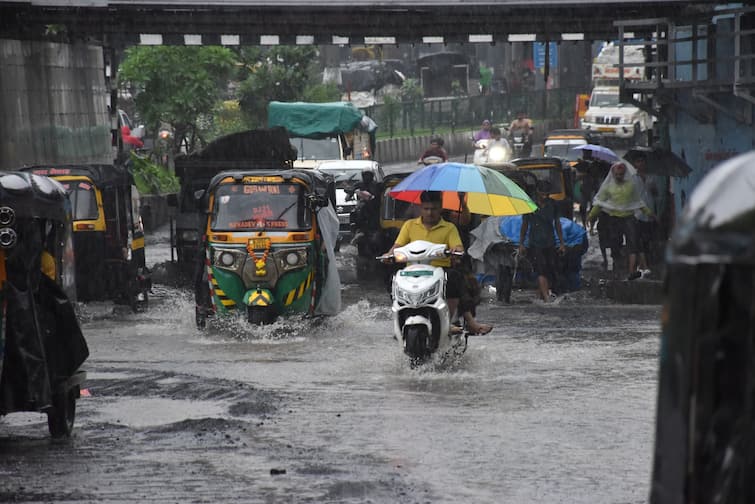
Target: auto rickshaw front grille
[249,273]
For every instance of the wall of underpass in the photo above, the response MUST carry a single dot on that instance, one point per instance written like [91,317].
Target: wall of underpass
[53,104]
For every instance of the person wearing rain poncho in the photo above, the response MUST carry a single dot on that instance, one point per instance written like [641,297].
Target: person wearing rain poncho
[618,198]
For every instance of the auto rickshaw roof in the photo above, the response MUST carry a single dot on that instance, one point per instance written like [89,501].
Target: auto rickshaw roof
[718,220]
[317,181]
[560,134]
[537,163]
[100,174]
[394,178]
[30,196]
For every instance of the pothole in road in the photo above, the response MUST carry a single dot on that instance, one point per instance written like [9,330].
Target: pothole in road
[137,412]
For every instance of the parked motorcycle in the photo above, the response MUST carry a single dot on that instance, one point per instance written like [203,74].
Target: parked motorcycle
[421,322]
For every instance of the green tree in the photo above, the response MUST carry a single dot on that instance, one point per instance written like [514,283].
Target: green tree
[411,94]
[321,93]
[180,86]
[281,73]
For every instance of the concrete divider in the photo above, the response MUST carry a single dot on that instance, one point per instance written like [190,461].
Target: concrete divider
[408,149]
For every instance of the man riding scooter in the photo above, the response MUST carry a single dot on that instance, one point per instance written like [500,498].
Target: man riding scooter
[520,133]
[431,227]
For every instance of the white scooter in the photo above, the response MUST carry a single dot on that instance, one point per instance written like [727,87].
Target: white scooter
[421,321]
[492,154]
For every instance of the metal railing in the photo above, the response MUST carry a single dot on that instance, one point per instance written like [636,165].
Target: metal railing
[467,112]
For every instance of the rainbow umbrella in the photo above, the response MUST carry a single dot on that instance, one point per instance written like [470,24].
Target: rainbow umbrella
[485,191]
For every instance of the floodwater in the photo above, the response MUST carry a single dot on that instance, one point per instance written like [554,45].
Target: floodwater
[556,404]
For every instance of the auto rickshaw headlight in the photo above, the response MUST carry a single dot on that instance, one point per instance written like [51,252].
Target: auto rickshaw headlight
[292,258]
[226,259]
[189,235]
[7,216]
[8,238]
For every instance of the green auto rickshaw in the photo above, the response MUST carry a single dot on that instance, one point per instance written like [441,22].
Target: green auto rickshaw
[41,345]
[108,235]
[267,246]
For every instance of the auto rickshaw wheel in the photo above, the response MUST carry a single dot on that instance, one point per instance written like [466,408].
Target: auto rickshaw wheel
[61,417]
[503,283]
[257,316]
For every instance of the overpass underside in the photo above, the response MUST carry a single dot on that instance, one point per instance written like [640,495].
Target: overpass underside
[261,23]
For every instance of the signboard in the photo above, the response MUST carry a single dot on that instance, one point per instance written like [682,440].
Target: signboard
[538,54]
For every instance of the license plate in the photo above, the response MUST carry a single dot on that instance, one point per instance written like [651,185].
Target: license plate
[605,129]
[259,243]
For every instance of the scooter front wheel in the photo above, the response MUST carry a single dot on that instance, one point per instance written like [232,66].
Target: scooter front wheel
[415,343]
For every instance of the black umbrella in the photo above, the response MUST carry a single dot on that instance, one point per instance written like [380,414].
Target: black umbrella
[659,161]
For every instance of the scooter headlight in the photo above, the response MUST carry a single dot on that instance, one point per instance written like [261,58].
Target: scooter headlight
[189,235]
[497,154]
[418,298]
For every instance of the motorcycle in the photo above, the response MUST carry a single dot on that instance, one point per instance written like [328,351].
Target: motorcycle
[421,322]
[520,143]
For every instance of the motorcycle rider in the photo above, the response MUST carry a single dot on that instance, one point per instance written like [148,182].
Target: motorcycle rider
[523,125]
[435,150]
[483,133]
[430,226]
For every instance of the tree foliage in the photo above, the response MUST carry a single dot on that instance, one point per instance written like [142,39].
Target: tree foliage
[281,73]
[180,86]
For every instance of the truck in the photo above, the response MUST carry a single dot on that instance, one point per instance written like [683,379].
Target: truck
[606,114]
[331,131]
[253,149]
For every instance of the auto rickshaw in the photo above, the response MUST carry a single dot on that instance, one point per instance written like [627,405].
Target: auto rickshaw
[108,236]
[41,345]
[705,421]
[555,171]
[268,246]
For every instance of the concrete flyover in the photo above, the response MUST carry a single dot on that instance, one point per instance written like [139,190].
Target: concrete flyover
[338,22]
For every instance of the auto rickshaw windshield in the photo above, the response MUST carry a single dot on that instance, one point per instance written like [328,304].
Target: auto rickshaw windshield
[83,200]
[564,150]
[276,207]
[549,175]
[394,209]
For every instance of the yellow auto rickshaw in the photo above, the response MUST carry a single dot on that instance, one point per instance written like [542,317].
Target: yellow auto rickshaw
[108,236]
[41,345]
[555,171]
[268,245]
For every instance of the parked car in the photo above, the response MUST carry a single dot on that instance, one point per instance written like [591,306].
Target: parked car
[347,174]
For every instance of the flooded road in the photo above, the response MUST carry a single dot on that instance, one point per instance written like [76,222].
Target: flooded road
[556,404]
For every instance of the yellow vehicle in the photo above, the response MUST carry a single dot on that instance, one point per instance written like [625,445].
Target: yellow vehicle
[558,173]
[268,246]
[108,236]
[561,144]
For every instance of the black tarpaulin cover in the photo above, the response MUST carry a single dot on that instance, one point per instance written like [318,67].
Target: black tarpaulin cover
[43,344]
[705,428]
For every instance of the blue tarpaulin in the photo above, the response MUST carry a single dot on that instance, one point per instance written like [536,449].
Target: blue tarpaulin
[574,234]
